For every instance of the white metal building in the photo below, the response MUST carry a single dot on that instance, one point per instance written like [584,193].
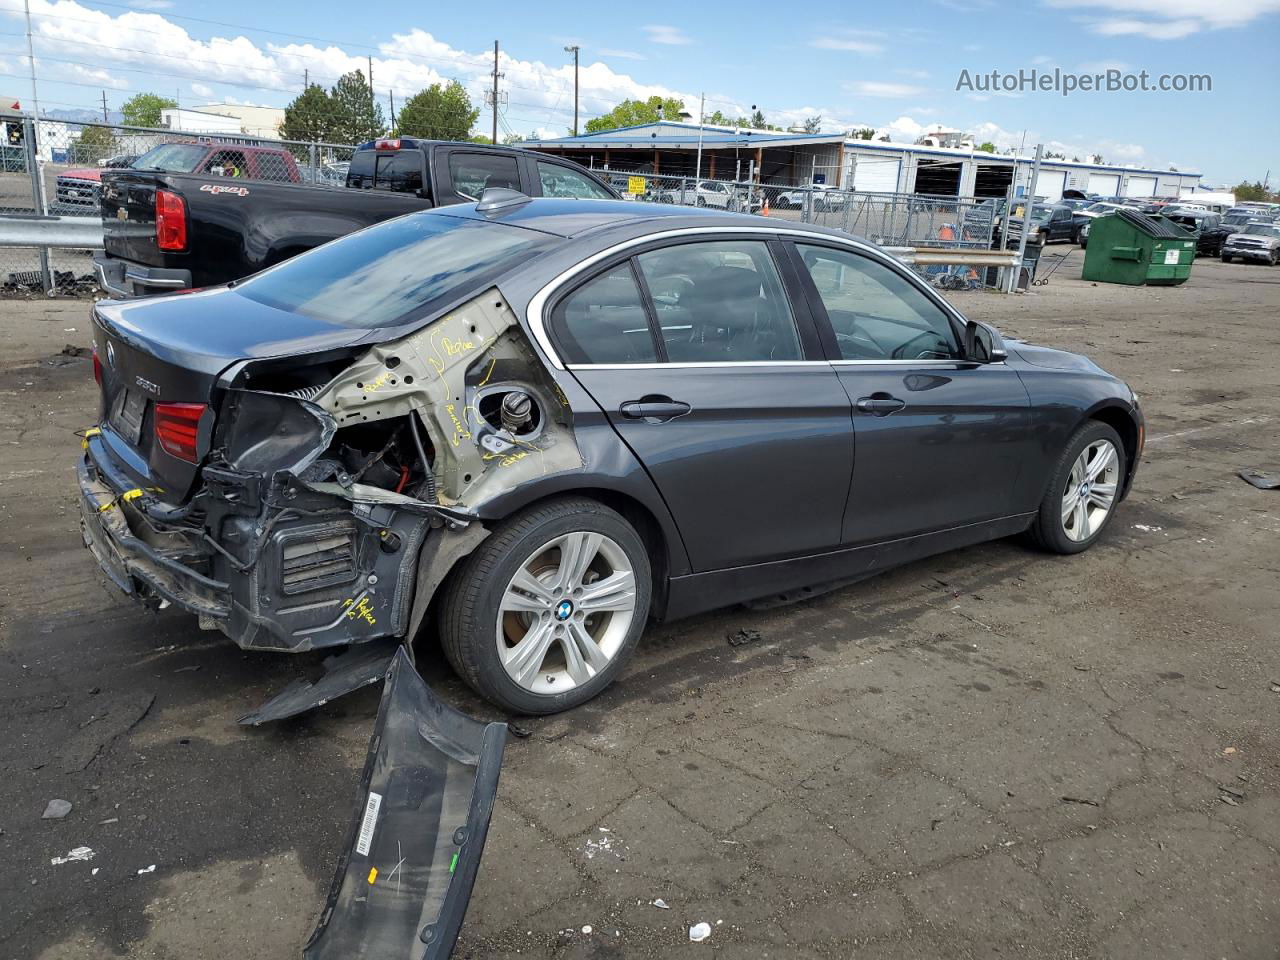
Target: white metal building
[873,166]
[196,121]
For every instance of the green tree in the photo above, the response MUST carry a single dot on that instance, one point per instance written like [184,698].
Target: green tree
[1255,192]
[511,138]
[357,116]
[438,112]
[631,113]
[143,109]
[813,125]
[94,144]
[987,147]
[863,133]
[312,115]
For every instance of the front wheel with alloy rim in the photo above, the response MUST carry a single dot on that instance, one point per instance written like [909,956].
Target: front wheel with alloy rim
[1082,495]
[542,616]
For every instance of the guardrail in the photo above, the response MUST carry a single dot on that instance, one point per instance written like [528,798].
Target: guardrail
[77,232]
[954,256]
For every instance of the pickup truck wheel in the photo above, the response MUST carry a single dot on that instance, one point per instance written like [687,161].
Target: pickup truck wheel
[1226,258]
[546,611]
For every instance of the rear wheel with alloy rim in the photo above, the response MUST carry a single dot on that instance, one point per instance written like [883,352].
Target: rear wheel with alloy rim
[1083,493]
[541,617]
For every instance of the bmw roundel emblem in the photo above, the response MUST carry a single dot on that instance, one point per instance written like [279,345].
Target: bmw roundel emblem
[111,354]
[564,610]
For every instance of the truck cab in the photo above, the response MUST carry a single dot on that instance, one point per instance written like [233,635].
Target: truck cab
[448,172]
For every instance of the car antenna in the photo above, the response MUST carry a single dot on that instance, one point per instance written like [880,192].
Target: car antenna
[499,198]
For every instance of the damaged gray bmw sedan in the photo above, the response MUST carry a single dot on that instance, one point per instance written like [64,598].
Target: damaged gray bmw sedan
[537,424]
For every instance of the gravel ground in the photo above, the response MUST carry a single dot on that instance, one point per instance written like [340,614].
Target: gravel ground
[884,773]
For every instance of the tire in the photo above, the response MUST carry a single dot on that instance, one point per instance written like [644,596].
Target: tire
[1226,258]
[1057,533]
[477,632]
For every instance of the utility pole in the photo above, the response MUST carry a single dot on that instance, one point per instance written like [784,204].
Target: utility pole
[31,61]
[306,79]
[573,48]
[391,95]
[496,76]
[373,104]
[104,106]
[702,110]
[1028,207]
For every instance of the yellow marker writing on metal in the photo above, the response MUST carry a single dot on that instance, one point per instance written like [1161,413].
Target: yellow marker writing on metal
[373,875]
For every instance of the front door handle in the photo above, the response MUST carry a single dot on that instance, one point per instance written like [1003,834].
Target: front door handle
[654,408]
[880,404]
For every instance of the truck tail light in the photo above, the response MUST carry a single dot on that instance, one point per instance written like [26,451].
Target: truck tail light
[171,221]
[387,144]
[177,426]
[97,366]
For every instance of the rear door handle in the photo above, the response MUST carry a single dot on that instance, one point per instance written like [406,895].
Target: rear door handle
[654,409]
[880,404]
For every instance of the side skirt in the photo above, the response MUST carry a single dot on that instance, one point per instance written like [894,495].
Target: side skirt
[700,592]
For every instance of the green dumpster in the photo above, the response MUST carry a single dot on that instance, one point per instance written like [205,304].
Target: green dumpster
[1134,248]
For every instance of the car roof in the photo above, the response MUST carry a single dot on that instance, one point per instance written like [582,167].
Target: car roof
[567,217]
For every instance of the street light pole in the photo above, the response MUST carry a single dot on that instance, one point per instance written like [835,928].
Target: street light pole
[573,48]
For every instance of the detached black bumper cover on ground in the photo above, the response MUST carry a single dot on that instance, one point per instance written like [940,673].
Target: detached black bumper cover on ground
[427,793]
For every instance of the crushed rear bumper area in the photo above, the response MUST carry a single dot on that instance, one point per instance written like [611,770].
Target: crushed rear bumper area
[271,564]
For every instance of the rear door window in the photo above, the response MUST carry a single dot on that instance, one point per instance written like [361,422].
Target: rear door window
[473,173]
[720,302]
[604,321]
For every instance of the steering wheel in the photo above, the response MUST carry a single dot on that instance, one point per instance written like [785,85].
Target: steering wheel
[900,352]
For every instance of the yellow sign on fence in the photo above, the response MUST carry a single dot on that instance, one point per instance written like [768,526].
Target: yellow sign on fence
[635,185]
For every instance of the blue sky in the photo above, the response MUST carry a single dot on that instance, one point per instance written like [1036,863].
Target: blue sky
[893,67]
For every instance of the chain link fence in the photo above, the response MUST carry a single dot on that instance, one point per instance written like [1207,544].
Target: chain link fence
[887,219]
[55,167]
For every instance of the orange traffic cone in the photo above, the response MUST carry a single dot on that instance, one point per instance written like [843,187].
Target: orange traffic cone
[764,211]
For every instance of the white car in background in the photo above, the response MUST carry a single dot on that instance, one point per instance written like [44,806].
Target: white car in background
[1100,209]
[711,193]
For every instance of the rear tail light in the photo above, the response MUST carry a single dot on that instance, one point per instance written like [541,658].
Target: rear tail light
[97,366]
[171,221]
[387,144]
[177,427]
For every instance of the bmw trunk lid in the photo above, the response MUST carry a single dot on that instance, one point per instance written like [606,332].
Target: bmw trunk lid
[161,360]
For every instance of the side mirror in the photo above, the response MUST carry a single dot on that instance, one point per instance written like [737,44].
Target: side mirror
[982,344]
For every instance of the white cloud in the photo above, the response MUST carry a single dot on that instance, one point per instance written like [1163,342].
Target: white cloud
[202,90]
[94,75]
[151,4]
[1167,19]
[880,88]
[620,54]
[851,41]
[1041,60]
[914,74]
[665,34]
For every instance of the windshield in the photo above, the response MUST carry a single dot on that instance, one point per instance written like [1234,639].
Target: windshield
[1101,208]
[1041,212]
[1262,230]
[385,274]
[173,157]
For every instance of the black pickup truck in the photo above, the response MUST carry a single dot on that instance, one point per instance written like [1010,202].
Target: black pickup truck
[167,231]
